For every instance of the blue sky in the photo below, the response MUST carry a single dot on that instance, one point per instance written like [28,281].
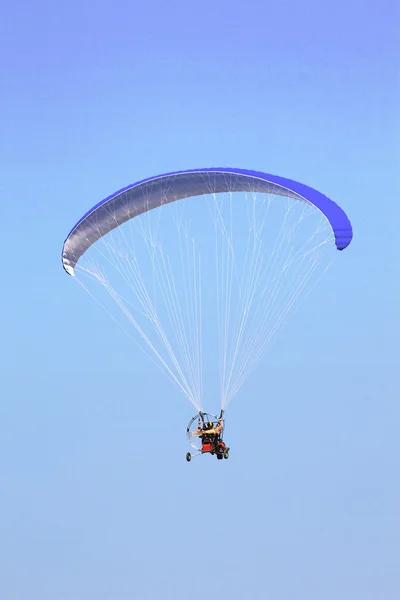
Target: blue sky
[96,498]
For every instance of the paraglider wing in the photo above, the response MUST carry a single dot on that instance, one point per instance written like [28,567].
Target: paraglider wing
[213,278]
[150,193]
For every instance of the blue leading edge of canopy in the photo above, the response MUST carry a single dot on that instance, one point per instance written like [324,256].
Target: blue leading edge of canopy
[337,218]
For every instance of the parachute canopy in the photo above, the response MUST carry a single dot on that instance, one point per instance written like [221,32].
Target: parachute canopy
[205,284]
[153,192]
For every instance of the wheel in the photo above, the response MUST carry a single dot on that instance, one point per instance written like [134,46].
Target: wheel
[188,456]
[226,453]
[219,456]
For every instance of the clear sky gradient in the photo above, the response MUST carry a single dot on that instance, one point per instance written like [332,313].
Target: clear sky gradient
[96,499]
